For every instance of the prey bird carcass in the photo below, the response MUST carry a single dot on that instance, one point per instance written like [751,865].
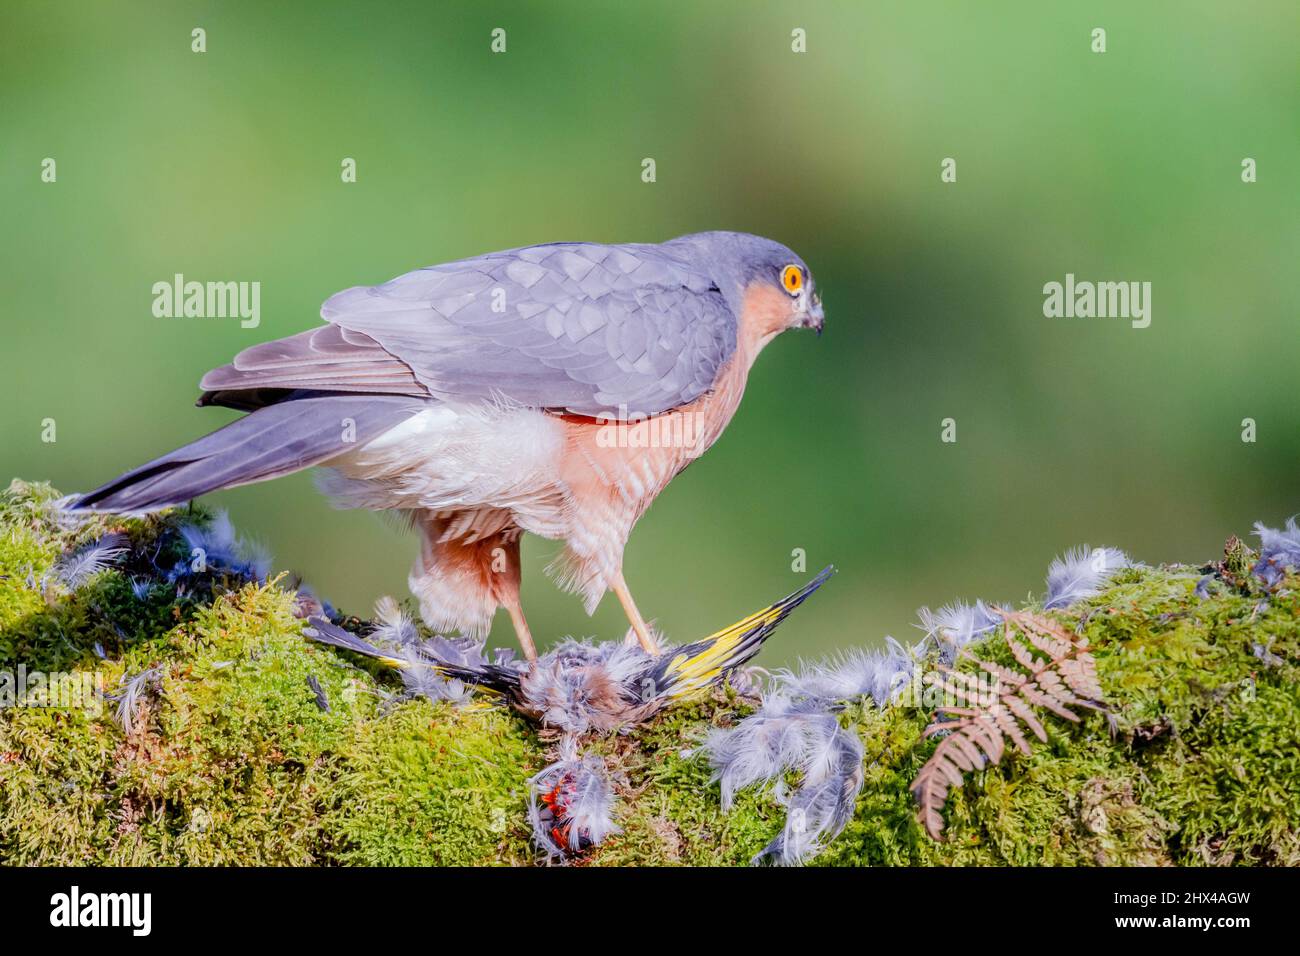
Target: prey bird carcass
[576,687]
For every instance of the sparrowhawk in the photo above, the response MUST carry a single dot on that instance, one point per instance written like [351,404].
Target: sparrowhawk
[554,389]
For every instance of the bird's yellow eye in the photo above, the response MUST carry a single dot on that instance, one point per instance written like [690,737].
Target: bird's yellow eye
[792,279]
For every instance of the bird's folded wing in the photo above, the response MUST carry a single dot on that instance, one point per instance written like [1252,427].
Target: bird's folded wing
[582,328]
[328,358]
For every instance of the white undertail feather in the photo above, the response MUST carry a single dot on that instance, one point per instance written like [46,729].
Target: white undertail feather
[452,459]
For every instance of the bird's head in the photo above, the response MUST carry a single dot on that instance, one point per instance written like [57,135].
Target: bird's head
[766,284]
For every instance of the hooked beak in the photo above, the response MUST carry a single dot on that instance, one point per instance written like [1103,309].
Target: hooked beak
[813,317]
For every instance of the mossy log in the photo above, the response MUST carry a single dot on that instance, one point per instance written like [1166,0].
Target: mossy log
[251,745]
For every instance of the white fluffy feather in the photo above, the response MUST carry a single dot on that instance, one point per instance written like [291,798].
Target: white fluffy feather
[452,458]
[1080,573]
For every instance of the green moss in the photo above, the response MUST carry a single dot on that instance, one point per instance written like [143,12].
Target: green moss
[48,626]
[675,815]
[430,784]
[232,759]
[1201,766]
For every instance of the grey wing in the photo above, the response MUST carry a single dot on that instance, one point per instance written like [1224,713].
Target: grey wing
[578,327]
[328,358]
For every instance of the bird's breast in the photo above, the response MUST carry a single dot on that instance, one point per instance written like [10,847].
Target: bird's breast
[630,462]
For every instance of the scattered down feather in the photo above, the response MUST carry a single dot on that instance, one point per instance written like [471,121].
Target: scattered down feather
[1264,652]
[955,625]
[130,699]
[1081,573]
[788,734]
[878,674]
[76,568]
[796,728]
[822,805]
[1278,550]
[760,749]
[215,548]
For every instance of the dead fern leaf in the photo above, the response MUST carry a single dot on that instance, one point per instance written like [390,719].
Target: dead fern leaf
[984,715]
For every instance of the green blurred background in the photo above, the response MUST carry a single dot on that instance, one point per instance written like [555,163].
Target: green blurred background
[1115,166]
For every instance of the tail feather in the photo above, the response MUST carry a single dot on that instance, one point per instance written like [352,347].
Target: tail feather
[272,441]
[694,666]
[493,678]
[319,629]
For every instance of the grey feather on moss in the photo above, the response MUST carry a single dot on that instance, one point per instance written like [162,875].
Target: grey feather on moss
[1264,652]
[955,625]
[215,548]
[1278,550]
[796,728]
[878,674]
[130,699]
[788,734]
[760,749]
[822,805]
[76,568]
[1080,573]
[322,701]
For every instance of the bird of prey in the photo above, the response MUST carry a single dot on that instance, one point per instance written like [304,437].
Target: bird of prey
[554,389]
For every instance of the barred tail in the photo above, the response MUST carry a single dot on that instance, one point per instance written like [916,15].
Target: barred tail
[276,440]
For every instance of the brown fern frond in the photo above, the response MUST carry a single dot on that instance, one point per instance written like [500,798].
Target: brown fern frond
[973,743]
[1028,718]
[1024,656]
[1048,636]
[1005,674]
[963,688]
[981,720]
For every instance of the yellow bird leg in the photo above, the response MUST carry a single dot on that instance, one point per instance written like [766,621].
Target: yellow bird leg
[619,587]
